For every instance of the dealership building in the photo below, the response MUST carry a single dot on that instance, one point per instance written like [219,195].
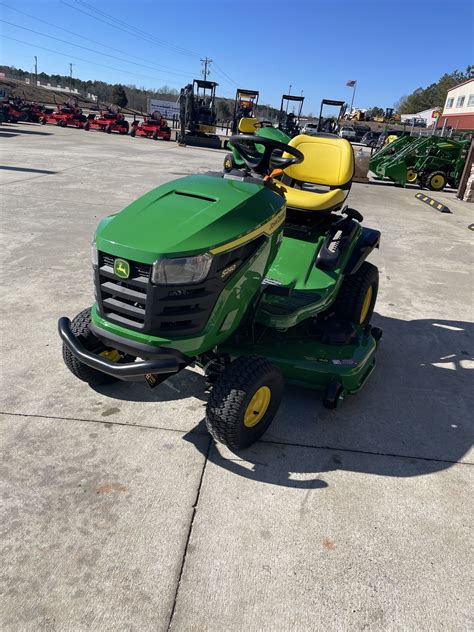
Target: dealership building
[458,110]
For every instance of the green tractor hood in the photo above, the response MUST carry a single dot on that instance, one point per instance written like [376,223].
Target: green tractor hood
[187,216]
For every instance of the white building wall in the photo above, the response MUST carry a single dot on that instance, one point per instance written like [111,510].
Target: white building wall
[460,99]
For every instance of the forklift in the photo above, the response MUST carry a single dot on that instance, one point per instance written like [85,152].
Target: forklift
[198,115]
[245,106]
[288,122]
[331,125]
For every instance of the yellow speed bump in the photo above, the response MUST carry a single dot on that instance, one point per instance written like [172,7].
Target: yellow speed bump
[442,208]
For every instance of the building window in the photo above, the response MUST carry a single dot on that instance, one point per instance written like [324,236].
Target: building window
[470,102]
[449,103]
[460,102]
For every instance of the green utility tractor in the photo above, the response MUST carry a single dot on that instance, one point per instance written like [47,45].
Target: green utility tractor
[263,129]
[429,161]
[387,152]
[255,280]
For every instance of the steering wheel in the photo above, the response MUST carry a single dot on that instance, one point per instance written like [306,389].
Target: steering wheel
[264,163]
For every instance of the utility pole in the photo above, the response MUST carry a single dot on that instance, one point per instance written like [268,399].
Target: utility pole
[206,62]
[70,77]
[36,70]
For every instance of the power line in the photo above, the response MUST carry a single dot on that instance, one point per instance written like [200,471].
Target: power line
[87,61]
[92,50]
[130,30]
[113,18]
[225,74]
[88,39]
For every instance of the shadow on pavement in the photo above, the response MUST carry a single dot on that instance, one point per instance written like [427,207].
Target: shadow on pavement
[412,418]
[31,131]
[26,170]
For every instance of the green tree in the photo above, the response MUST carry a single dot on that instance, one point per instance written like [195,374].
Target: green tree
[119,96]
[433,95]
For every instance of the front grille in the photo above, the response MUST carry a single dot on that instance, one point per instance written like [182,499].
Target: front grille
[164,310]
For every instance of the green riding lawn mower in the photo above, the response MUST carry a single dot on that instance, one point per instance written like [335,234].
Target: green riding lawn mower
[262,129]
[253,279]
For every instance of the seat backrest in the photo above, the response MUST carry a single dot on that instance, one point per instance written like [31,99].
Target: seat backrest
[248,125]
[327,160]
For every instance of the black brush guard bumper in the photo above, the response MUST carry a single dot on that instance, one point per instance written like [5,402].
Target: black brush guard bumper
[166,363]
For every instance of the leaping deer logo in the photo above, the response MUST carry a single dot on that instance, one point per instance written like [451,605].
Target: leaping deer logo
[121,268]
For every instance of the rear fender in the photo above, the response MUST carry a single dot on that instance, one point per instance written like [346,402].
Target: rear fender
[368,240]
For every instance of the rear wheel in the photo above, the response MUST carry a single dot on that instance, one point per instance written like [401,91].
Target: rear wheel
[358,293]
[436,181]
[81,329]
[244,401]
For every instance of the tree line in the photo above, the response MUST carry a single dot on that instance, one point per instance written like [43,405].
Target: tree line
[129,96]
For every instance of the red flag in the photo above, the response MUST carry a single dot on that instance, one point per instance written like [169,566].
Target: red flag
[351,83]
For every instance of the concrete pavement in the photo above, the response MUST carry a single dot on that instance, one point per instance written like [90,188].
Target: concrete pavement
[121,515]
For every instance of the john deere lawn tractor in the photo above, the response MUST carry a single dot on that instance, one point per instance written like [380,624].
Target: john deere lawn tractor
[263,129]
[245,106]
[255,280]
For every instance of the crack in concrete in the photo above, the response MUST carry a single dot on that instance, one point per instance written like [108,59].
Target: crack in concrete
[267,441]
[190,530]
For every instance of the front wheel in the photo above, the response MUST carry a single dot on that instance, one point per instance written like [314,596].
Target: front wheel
[228,163]
[133,132]
[80,327]
[244,401]
[86,127]
[356,299]
[108,129]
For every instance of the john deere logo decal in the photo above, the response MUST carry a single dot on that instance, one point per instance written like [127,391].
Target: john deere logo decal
[121,268]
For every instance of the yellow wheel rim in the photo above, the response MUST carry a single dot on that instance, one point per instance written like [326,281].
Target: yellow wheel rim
[438,181]
[365,305]
[228,164]
[111,354]
[411,175]
[257,406]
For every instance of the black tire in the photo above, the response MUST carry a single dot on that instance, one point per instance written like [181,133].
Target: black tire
[155,136]
[332,395]
[354,291]
[133,132]
[231,396]
[108,129]
[436,181]
[86,127]
[81,328]
[43,121]
[228,162]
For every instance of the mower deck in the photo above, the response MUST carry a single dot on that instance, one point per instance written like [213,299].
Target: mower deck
[306,360]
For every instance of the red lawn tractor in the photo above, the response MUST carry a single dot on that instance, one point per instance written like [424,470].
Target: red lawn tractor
[154,126]
[110,120]
[65,115]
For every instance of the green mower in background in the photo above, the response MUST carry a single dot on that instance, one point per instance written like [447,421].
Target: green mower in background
[263,129]
[253,279]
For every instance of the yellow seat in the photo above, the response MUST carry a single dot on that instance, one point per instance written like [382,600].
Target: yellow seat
[248,125]
[328,161]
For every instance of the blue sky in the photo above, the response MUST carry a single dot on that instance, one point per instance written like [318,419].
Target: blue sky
[391,48]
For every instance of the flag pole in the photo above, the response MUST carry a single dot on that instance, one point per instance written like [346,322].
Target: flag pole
[353,95]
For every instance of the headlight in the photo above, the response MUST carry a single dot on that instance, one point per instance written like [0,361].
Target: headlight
[181,271]
[94,254]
